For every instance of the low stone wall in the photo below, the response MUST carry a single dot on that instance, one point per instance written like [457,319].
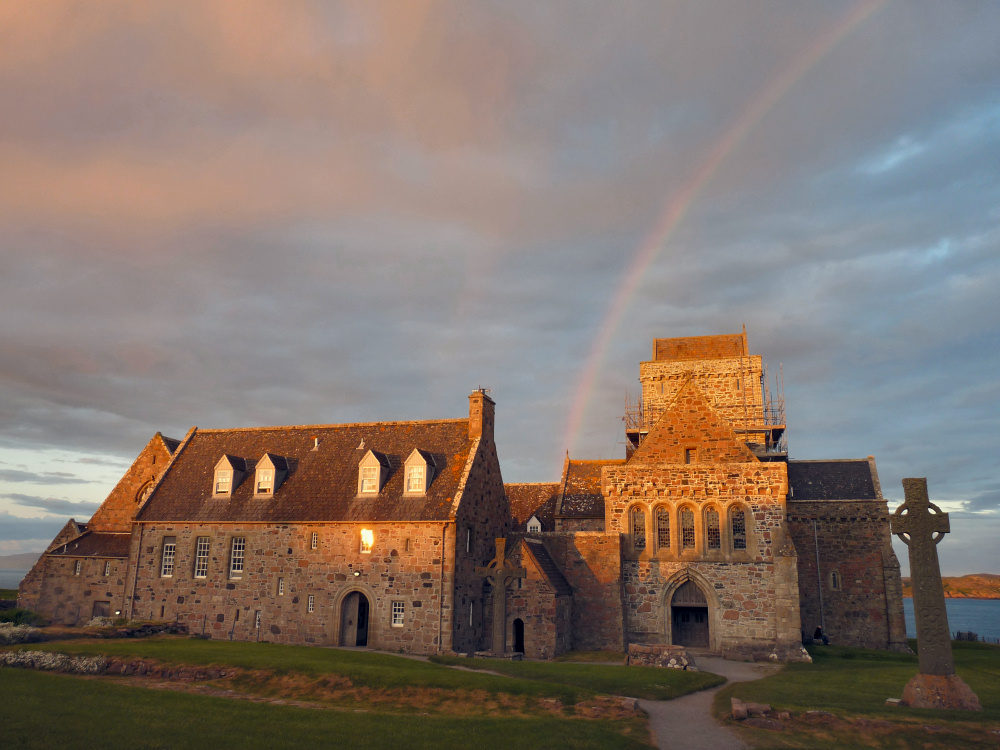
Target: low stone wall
[660,655]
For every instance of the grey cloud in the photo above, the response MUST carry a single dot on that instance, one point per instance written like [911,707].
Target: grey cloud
[18,528]
[53,504]
[42,477]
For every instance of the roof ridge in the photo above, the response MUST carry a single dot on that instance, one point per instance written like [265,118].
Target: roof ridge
[331,426]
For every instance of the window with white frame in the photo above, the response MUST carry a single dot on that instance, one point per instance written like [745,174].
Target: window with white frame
[311,603]
[534,525]
[314,541]
[223,482]
[256,620]
[398,612]
[236,553]
[201,549]
[78,567]
[107,568]
[265,481]
[415,478]
[281,587]
[369,479]
[167,560]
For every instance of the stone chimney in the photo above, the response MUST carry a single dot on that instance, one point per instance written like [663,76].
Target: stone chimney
[481,413]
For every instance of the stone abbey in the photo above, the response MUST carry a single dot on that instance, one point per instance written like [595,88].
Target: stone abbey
[403,535]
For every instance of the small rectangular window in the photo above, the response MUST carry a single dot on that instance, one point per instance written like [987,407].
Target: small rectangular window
[281,587]
[415,479]
[201,549]
[236,554]
[690,455]
[167,562]
[398,610]
[468,539]
[78,567]
[311,603]
[314,542]
[107,568]
[222,483]
[265,482]
[256,620]
[369,479]
[470,614]
[367,540]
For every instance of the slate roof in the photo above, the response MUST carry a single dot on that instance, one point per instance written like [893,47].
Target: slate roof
[322,484]
[534,499]
[553,576]
[96,544]
[849,479]
[582,496]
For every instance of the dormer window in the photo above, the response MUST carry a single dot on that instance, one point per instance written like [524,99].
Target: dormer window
[229,472]
[373,471]
[270,472]
[534,525]
[419,468]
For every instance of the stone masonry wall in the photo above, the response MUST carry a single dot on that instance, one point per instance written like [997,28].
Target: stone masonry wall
[119,508]
[408,562]
[591,563]
[725,382]
[547,618]
[68,599]
[580,524]
[852,538]
[484,510]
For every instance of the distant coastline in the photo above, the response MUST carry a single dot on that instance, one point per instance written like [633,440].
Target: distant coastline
[20,561]
[973,586]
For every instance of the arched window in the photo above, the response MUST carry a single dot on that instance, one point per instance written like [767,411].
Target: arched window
[738,525]
[687,529]
[638,524]
[662,528]
[835,584]
[713,529]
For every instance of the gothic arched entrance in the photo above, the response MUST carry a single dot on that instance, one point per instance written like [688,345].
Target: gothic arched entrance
[689,616]
[354,620]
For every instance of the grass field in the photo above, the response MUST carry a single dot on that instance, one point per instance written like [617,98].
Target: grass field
[853,684]
[8,594]
[651,683]
[45,710]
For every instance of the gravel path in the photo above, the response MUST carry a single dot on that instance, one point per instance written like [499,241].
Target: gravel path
[687,723]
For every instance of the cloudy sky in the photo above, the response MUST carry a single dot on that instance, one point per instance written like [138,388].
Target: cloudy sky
[229,214]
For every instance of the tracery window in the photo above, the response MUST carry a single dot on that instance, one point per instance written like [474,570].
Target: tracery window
[738,524]
[638,524]
[662,528]
[713,529]
[687,529]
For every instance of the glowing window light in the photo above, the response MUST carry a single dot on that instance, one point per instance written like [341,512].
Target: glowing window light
[367,540]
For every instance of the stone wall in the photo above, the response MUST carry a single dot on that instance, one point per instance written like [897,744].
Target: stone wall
[119,508]
[547,618]
[853,538]
[732,385]
[408,563]
[591,563]
[65,598]
[579,524]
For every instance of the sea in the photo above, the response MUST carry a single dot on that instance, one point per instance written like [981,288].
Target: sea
[11,579]
[980,616]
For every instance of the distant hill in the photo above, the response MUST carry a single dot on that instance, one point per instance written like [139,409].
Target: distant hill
[974,586]
[19,562]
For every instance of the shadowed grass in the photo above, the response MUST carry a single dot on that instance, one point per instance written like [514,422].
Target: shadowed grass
[602,657]
[853,685]
[9,595]
[45,710]
[650,683]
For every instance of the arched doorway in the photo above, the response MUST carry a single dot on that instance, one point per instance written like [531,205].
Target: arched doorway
[519,636]
[689,616]
[354,620]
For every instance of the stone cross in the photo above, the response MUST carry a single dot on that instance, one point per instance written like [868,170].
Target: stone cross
[920,524]
[499,573]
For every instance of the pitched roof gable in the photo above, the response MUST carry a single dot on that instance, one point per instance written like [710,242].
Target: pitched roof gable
[846,479]
[539,556]
[534,499]
[690,421]
[581,495]
[321,484]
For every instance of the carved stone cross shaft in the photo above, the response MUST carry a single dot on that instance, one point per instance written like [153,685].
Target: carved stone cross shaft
[921,525]
[499,573]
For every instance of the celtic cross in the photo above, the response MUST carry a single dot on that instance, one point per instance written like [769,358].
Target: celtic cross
[500,573]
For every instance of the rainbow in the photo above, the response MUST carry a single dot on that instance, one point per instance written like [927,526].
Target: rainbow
[680,203]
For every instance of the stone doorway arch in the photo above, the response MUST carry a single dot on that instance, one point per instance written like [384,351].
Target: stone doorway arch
[354,622]
[690,611]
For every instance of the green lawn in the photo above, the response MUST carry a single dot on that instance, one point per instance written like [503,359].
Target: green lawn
[42,710]
[853,684]
[363,669]
[650,683]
